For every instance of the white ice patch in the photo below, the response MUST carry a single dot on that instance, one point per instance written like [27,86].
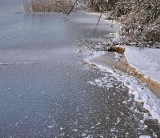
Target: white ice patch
[106,82]
[118,56]
[92,55]
[141,93]
[75,130]
[144,136]
[18,63]
[50,127]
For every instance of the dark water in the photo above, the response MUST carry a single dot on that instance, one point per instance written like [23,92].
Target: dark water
[44,89]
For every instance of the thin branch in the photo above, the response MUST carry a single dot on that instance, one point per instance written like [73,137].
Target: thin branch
[72,7]
[99,19]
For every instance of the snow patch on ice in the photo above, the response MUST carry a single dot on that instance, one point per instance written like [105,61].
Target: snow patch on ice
[141,93]
[146,61]
[18,63]
[106,82]
[50,126]
[118,56]
[144,136]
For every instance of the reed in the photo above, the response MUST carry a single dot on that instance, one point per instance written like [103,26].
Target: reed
[47,6]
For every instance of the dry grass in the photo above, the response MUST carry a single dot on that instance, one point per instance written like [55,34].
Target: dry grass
[117,49]
[101,5]
[47,6]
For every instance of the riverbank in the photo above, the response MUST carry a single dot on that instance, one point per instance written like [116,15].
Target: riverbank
[145,90]
[141,20]
[140,62]
[138,67]
[134,67]
[146,63]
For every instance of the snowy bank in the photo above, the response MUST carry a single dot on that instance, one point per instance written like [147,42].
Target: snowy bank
[146,61]
[142,94]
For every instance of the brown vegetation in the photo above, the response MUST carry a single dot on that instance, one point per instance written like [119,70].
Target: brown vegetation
[47,6]
[140,19]
[101,5]
[117,49]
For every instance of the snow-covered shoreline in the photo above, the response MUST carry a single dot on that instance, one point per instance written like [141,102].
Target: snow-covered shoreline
[142,94]
[145,61]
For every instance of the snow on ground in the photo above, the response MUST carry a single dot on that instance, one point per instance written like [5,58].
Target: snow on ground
[103,17]
[141,93]
[146,61]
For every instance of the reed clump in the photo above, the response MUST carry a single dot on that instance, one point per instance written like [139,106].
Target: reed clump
[47,6]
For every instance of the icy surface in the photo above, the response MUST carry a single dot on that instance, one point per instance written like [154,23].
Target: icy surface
[103,17]
[144,136]
[141,93]
[146,61]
